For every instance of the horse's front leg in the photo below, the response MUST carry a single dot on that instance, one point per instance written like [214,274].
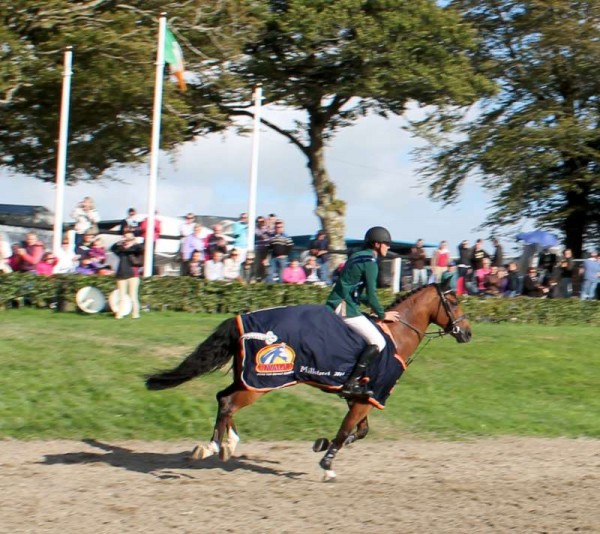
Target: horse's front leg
[357,414]
[362,430]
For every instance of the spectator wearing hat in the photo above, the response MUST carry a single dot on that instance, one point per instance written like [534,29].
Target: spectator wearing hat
[450,276]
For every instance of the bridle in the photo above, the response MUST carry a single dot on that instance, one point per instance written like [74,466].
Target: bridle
[451,328]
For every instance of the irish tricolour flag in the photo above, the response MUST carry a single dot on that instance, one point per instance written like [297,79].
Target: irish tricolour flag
[174,57]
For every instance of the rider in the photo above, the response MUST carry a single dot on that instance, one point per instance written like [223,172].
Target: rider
[360,273]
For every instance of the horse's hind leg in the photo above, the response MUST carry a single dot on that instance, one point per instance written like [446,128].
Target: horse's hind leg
[356,415]
[362,429]
[201,452]
[225,438]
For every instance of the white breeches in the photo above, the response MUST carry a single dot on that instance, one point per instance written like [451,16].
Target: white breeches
[367,330]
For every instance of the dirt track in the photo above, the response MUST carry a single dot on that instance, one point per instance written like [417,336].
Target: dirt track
[495,486]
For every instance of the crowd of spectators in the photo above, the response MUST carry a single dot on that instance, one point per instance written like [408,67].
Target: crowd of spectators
[474,271]
[212,254]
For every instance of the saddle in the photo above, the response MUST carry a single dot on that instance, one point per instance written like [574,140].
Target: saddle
[309,344]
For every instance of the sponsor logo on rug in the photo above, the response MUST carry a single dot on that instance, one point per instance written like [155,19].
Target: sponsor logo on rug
[275,359]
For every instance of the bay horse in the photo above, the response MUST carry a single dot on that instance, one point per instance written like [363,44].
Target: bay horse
[418,309]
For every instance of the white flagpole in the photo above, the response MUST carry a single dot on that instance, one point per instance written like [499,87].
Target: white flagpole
[254,167]
[61,160]
[154,148]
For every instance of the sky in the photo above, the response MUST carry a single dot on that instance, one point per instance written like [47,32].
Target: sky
[370,163]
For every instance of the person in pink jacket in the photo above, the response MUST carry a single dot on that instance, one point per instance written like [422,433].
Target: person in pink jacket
[30,253]
[45,266]
[293,273]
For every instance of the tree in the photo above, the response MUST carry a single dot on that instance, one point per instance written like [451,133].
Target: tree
[112,87]
[536,146]
[337,61]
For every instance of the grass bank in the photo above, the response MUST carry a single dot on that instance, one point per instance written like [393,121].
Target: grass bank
[79,376]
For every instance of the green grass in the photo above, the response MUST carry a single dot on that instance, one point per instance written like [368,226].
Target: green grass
[80,376]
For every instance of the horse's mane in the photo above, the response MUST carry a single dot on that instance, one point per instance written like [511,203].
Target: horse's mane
[406,296]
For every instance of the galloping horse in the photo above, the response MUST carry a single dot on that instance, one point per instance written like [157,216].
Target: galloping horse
[417,309]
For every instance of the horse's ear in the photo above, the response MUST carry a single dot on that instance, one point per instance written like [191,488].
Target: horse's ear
[445,284]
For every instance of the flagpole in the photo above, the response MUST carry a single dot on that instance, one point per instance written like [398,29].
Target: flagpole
[154,148]
[61,160]
[254,167]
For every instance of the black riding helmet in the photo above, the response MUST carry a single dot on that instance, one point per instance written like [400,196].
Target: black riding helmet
[377,234]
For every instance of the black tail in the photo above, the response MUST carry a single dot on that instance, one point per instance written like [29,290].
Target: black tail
[210,355]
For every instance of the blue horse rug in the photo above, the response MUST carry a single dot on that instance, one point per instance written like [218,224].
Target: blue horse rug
[309,344]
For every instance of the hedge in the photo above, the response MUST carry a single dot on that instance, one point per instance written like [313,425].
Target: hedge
[192,295]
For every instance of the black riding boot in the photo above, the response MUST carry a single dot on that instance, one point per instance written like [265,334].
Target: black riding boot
[353,387]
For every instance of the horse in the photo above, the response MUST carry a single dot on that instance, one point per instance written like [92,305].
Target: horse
[418,309]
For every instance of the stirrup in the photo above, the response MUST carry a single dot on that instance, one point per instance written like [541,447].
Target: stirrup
[356,390]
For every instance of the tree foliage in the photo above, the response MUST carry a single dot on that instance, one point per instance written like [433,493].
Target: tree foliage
[536,146]
[114,54]
[337,61]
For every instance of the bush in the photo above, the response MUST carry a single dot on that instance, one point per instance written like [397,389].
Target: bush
[195,296]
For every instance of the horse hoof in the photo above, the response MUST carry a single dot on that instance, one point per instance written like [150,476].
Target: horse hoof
[329,475]
[201,452]
[320,445]
[229,446]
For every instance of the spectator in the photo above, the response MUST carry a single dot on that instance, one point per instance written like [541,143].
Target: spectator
[131,222]
[546,264]
[14,260]
[513,284]
[492,282]
[86,219]
[97,254]
[272,224]
[566,269]
[195,241]
[187,226]
[232,266]
[66,258]
[478,254]
[240,236]
[417,259]
[532,284]
[5,254]
[30,253]
[440,260]
[214,268]
[591,274]
[131,259]
[450,276]
[248,269]
[465,271]
[217,241]
[293,273]
[262,239]
[85,266]
[311,270]
[85,245]
[157,228]
[280,248]
[45,267]
[193,267]
[480,275]
[319,249]
[498,255]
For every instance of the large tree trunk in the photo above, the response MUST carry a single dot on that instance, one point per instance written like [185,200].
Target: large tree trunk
[330,210]
[576,221]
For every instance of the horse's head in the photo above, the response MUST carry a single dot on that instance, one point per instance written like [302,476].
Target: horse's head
[450,316]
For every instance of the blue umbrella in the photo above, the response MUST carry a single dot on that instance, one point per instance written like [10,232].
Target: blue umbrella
[538,237]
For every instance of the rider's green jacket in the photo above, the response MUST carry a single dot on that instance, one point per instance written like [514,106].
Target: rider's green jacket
[357,285]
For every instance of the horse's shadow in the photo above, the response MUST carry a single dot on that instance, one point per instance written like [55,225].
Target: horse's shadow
[164,466]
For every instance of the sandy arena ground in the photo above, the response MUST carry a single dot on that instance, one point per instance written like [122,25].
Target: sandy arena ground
[502,485]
